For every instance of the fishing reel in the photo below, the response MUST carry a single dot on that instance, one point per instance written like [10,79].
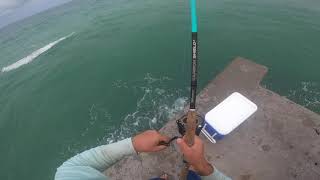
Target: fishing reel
[182,121]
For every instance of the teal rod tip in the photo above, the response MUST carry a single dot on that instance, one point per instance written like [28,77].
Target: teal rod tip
[194,15]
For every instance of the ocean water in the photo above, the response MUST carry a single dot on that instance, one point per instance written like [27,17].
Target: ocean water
[93,72]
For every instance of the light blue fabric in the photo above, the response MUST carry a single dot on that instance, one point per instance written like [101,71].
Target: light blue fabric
[90,164]
[216,175]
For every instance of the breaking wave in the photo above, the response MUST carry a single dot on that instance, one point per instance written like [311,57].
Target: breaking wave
[33,55]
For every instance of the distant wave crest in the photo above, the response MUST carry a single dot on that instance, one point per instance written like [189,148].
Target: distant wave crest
[33,55]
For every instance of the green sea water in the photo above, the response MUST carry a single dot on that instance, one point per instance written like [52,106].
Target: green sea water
[124,67]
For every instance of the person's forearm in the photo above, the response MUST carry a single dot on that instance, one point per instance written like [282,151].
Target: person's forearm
[102,157]
[91,163]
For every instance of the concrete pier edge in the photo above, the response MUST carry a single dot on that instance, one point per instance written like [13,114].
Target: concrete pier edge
[280,141]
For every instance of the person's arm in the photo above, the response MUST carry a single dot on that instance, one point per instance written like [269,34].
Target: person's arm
[194,155]
[216,175]
[91,163]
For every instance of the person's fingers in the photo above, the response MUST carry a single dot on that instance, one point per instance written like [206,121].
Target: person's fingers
[164,138]
[197,140]
[182,145]
[159,148]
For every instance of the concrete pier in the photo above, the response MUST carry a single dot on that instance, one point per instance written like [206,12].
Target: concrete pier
[280,141]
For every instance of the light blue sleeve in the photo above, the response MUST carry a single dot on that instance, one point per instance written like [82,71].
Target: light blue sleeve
[90,164]
[216,175]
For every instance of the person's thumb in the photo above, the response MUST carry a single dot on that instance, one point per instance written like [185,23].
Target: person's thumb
[182,145]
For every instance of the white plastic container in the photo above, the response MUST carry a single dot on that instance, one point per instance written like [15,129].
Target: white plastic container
[227,116]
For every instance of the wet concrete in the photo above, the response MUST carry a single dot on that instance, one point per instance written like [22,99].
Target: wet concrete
[280,141]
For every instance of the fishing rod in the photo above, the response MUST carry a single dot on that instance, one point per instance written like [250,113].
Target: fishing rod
[189,125]
[194,66]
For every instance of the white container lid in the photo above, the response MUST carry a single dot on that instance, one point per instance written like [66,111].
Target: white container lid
[230,113]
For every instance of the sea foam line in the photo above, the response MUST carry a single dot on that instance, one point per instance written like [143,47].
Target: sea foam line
[33,55]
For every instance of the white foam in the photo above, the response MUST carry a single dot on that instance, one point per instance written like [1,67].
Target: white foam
[33,55]
[154,120]
[307,94]
[155,106]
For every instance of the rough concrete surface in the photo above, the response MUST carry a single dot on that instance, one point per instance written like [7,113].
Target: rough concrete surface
[280,141]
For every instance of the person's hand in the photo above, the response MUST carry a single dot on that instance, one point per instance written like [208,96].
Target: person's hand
[194,155]
[148,141]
